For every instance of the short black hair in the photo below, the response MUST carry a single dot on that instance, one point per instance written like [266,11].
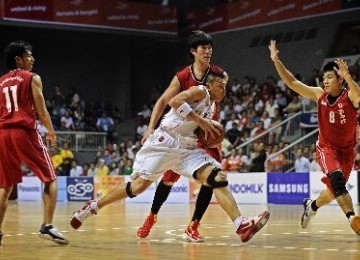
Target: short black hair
[330,67]
[198,38]
[13,49]
[213,74]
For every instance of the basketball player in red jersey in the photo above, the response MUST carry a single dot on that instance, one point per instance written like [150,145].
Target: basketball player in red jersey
[335,148]
[21,103]
[201,47]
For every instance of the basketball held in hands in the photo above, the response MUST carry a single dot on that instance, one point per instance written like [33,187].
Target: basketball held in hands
[211,141]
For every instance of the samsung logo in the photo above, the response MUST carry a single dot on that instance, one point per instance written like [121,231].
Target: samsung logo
[289,188]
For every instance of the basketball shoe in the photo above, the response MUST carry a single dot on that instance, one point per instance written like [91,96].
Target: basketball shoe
[82,214]
[51,233]
[308,213]
[192,232]
[355,224]
[250,226]
[149,222]
[1,237]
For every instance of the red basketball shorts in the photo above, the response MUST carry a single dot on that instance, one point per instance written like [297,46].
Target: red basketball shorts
[23,145]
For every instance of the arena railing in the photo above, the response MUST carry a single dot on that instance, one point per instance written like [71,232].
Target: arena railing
[82,141]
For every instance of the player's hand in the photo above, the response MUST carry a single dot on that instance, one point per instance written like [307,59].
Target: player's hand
[274,52]
[51,137]
[343,69]
[148,132]
[210,127]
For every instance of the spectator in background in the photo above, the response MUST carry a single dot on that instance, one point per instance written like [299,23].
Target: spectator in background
[229,124]
[314,165]
[258,161]
[101,168]
[234,135]
[226,145]
[244,159]
[128,169]
[92,169]
[294,106]
[114,169]
[233,162]
[266,119]
[76,170]
[58,100]
[106,124]
[270,106]
[235,86]
[141,127]
[67,156]
[276,162]
[57,161]
[302,164]
[67,122]
[85,168]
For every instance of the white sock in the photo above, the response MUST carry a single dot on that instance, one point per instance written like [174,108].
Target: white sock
[93,205]
[238,221]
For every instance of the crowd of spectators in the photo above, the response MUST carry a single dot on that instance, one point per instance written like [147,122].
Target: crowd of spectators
[249,109]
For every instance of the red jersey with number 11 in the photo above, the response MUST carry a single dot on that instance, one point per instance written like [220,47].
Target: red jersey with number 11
[338,121]
[16,100]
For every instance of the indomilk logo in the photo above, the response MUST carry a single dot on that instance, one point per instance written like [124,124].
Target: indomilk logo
[289,188]
[246,188]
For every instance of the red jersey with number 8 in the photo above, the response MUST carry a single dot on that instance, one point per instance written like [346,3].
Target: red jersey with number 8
[338,121]
[16,101]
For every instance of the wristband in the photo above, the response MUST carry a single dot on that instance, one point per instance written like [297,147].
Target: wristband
[184,109]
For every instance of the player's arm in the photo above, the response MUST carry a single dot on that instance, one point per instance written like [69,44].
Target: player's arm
[160,105]
[181,105]
[41,110]
[343,71]
[313,93]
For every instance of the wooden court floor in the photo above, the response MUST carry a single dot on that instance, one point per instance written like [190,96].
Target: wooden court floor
[112,234]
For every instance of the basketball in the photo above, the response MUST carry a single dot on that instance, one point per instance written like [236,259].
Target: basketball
[210,142]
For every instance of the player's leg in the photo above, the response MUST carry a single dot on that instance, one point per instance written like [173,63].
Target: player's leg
[311,206]
[202,202]
[246,227]
[130,189]
[4,201]
[161,194]
[34,153]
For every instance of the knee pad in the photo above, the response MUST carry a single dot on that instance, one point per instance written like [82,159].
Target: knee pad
[338,183]
[213,183]
[129,190]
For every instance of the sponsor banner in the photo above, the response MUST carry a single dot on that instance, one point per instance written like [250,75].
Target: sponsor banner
[309,120]
[316,186]
[241,14]
[146,197]
[211,19]
[180,191]
[1,9]
[77,12]
[103,185]
[31,188]
[62,188]
[248,187]
[39,10]
[80,188]
[287,188]
[122,14]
